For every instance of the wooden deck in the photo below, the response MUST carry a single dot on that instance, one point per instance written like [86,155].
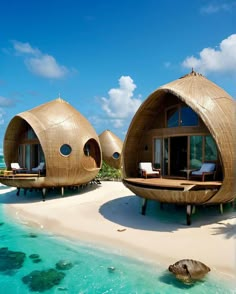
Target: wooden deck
[20,176]
[172,184]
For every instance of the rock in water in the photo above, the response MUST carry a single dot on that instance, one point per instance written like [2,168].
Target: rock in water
[189,270]
[64,265]
[11,260]
[40,281]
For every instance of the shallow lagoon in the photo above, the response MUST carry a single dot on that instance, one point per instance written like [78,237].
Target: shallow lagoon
[94,270]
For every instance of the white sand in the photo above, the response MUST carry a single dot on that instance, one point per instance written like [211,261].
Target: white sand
[96,215]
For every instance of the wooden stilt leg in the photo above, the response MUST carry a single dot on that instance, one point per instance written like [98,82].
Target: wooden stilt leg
[193,209]
[62,191]
[43,193]
[18,192]
[188,214]
[144,206]
[221,208]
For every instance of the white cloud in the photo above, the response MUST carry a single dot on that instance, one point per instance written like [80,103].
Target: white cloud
[121,104]
[38,63]
[217,7]
[6,102]
[221,59]
[46,66]
[24,48]
[2,114]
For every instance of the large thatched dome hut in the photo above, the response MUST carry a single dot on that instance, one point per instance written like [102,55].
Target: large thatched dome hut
[57,135]
[180,126]
[111,149]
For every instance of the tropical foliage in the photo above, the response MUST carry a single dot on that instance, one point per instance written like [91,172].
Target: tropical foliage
[108,173]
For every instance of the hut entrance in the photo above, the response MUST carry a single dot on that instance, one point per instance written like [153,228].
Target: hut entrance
[178,155]
[92,158]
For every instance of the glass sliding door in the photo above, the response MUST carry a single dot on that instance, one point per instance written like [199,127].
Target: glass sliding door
[165,163]
[210,149]
[27,156]
[157,153]
[178,154]
[196,151]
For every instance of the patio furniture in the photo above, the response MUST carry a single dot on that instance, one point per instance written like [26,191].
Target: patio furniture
[146,169]
[16,168]
[39,169]
[188,172]
[207,169]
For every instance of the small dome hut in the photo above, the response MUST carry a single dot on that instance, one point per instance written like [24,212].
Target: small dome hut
[180,126]
[54,134]
[111,149]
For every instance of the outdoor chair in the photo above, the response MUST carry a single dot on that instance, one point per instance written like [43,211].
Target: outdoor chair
[39,169]
[146,169]
[17,169]
[207,169]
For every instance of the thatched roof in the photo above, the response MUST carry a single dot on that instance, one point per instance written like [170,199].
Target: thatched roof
[215,107]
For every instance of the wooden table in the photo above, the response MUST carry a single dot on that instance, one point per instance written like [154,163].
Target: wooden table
[187,171]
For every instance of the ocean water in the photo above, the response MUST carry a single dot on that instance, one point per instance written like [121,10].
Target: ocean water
[93,271]
[2,162]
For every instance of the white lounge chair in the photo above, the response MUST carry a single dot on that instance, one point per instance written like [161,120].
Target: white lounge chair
[16,168]
[146,169]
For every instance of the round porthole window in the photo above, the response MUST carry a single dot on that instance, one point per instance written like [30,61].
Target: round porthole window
[116,155]
[65,150]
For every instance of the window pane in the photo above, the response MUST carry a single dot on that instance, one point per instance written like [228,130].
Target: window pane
[172,117]
[165,157]
[157,153]
[210,148]
[27,156]
[195,151]
[188,117]
[31,134]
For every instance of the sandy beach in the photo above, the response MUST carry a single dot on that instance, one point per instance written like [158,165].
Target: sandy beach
[108,215]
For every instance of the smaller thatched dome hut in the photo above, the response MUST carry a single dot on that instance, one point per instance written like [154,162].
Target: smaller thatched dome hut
[56,134]
[111,149]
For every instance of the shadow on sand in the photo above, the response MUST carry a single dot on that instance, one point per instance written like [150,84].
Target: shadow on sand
[126,211]
[8,195]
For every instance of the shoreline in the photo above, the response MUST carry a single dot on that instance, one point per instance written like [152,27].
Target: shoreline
[109,216]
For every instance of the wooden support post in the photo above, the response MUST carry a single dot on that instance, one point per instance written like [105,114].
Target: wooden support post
[233,203]
[188,214]
[221,208]
[144,206]
[193,209]
[62,191]
[43,193]
[18,192]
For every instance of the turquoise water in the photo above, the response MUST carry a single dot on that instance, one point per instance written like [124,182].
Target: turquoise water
[2,162]
[94,270]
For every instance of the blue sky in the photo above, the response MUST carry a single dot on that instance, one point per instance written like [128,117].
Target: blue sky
[106,57]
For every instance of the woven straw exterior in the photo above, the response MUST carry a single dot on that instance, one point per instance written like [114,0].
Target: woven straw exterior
[56,123]
[111,149]
[217,111]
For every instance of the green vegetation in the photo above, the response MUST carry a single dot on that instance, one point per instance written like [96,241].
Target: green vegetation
[2,171]
[108,173]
